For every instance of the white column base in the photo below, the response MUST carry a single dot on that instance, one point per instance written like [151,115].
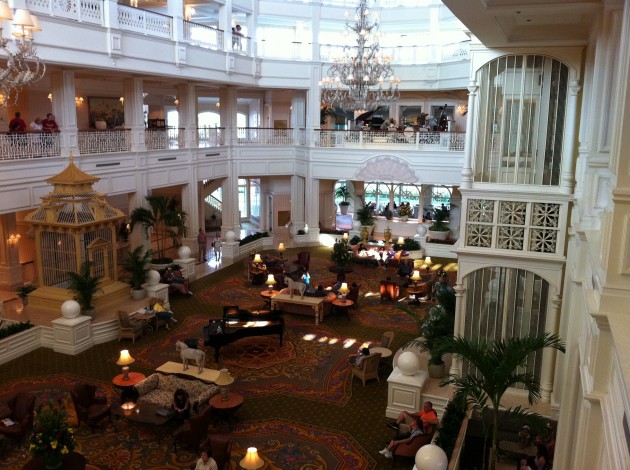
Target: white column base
[404,392]
[72,335]
[188,267]
[160,291]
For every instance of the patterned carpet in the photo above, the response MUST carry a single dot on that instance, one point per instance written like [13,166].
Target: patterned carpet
[302,409]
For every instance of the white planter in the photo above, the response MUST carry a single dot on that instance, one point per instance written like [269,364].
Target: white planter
[138,294]
[438,235]
[404,218]
[100,125]
[343,209]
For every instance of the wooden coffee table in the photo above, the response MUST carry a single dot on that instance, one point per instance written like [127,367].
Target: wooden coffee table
[226,408]
[146,413]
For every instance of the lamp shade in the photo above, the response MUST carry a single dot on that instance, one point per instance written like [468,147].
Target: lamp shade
[23,18]
[345,236]
[5,11]
[344,288]
[428,261]
[281,247]
[252,461]
[257,258]
[224,378]
[125,358]
[415,276]
[270,280]
[36,26]
[401,241]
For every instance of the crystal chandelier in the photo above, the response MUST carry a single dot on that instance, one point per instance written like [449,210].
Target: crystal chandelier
[362,79]
[22,67]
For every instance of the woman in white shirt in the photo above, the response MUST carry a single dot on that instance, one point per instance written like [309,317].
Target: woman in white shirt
[206,462]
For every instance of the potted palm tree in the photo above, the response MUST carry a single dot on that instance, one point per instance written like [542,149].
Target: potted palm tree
[439,229]
[365,216]
[495,366]
[137,266]
[344,193]
[23,292]
[84,286]
[164,220]
[341,256]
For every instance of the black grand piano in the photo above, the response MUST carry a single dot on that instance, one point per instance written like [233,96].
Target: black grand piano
[239,323]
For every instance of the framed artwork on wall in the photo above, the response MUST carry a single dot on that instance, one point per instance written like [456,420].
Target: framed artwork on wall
[110,111]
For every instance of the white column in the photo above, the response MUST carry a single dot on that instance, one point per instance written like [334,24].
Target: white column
[175,8]
[312,208]
[65,111]
[190,201]
[549,354]
[134,112]
[567,177]
[187,94]
[225,24]
[230,206]
[297,203]
[228,110]
[316,14]
[456,364]
[467,173]
[298,111]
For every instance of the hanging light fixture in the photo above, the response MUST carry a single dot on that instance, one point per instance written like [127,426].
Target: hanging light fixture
[23,67]
[362,79]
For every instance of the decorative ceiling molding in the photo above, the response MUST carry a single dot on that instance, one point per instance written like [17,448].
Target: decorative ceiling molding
[388,169]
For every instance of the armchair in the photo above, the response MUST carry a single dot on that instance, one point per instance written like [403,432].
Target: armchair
[302,262]
[368,368]
[21,406]
[194,430]
[90,408]
[221,448]
[409,449]
[128,328]
[354,294]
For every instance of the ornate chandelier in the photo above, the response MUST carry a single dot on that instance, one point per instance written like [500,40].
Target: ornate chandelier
[362,79]
[22,67]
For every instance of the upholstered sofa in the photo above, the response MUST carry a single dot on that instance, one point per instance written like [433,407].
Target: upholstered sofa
[307,309]
[158,389]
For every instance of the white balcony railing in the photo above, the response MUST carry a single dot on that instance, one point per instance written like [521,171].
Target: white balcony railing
[104,141]
[29,145]
[203,36]
[399,140]
[265,136]
[162,139]
[145,22]
[85,11]
[210,136]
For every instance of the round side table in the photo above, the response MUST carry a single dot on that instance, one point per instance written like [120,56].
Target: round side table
[226,408]
[127,392]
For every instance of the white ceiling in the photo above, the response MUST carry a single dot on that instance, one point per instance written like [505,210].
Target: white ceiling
[511,23]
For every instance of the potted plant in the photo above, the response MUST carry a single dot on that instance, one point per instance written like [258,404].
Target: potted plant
[327,116]
[439,229]
[365,214]
[84,286]
[341,255]
[137,265]
[404,211]
[438,324]
[344,193]
[389,215]
[164,219]
[52,437]
[23,292]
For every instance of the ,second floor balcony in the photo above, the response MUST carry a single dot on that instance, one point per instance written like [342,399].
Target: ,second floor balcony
[23,146]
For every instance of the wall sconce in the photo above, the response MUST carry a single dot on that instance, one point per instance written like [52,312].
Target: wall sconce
[462,110]
[124,360]
[251,461]
[271,281]
[50,96]
[176,102]
[122,99]
[78,100]
[224,380]
[218,105]
[133,3]
[14,239]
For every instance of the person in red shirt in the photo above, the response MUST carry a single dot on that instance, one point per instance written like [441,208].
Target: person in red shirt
[49,124]
[17,124]
[427,416]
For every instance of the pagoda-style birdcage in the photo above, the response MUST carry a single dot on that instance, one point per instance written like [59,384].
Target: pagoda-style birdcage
[73,224]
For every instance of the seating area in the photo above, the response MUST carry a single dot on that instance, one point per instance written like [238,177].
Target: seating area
[89,408]
[158,389]
[18,408]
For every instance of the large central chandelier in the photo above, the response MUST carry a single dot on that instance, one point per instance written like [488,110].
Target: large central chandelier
[362,79]
[23,67]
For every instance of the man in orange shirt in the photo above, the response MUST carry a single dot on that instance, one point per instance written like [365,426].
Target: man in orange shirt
[427,416]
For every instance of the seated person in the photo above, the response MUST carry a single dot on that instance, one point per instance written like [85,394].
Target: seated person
[415,429]
[181,405]
[163,314]
[427,417]
[206,462]
[306,278]
[405,268]
[176,280]
[341,278]
[320,291]
[357,359]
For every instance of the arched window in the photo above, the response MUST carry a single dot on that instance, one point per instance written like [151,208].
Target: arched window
[209,119]
[521,119]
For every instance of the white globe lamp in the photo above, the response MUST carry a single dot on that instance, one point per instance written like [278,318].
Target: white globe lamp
[408,363]
[230,236]
[431,457]
[153,277]
[184,252]
[70,309]
[421,230]
[356,225]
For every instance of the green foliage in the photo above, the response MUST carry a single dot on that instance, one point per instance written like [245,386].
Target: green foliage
[84,285]
[365,214]
[166,221]
[409,245]
[344,193]
[389,215]
[495,366]
[440,216]
[252,237]
[24,290]
[450,425]
[405,209]
[137,265]
[14,328]
[51,436]
[341,254]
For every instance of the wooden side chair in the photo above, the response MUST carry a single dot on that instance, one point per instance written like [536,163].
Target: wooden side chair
[90,409]
[368,368]
[221,448]
[128,328]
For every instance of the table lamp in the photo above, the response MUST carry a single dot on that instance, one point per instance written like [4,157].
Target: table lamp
[281,249]
[124,360]
[428,262]
[271,281]
[401,241]
[257,259]
[415,277]
[345,237]
[252,461]
[343,290]
[224,380]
